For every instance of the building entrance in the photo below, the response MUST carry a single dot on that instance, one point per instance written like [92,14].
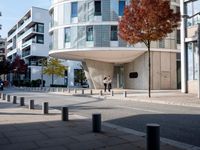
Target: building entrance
[118,78]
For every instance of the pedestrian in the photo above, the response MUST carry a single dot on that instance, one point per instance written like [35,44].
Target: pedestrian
[109,81]
[105,83]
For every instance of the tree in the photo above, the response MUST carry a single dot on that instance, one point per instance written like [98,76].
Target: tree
[18,67]
[54,67]
[146,21]
[5,67]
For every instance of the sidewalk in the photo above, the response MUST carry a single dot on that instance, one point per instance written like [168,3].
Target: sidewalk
[24,129]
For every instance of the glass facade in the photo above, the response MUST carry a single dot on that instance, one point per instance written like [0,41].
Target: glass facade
[192,60]
[121,7]
[74,9]
[89,33]
[113,34]
[97,8]
[67,35]
[192,8]
[40,28]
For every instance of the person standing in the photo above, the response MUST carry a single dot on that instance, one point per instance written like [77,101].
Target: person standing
[105,83]
[109,83]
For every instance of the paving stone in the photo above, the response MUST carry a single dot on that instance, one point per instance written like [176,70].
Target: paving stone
[112,141]
[4,141]
[19,146]
[122,147]
[54,148]
[21,133]
[55,142]
[89,137]
[21,139]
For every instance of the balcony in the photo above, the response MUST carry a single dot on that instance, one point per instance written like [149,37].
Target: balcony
[29,20]
[26,33]
[28,43]
[9,46]
[26,53]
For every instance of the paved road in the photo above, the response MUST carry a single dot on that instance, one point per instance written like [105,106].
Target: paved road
[177,122]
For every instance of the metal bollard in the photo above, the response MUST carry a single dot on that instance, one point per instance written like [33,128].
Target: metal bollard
[68,90]
[45,108]
[4,96]
[82,91]
[112,93]
[91,92]
[14,99]
[125,94]
[0,95]
[65,114]
[100,93]
[153,137]
[96,122]
[22,101]
[8,98]
[75,91]
[31,104]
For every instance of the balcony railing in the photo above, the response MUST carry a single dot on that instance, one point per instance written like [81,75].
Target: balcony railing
[25,24]
[27,43]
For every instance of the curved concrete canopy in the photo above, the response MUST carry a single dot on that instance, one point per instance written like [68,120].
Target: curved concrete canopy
[111,56]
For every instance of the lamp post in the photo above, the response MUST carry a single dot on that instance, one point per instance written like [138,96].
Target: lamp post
[198,46]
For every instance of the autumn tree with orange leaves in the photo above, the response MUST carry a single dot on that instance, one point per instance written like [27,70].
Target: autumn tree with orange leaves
[146,21]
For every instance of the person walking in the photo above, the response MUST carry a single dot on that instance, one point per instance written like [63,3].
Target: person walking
[109,81]
[105,83]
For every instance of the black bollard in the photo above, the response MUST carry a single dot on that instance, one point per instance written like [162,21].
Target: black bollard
[31,104]
[91,92]
[65,114]
[8,98]
[112,93]
[22,101]
[68,90]
[96,123]
[0,95]
[14,99]
[45,108]
[100,93]
[82,91]
[75,91]
[4,96]
[153,137]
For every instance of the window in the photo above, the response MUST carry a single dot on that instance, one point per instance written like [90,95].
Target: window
[97,8]
[67,35]
[121,7]
[162,43]
[40,27]
[74,9]
[89,33]
[178,36]
[113,36]
[40,39]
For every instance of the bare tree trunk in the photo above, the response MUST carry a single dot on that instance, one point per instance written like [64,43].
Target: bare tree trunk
[149,67]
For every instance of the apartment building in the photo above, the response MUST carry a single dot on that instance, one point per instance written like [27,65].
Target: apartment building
[87,30]
[2,48]
[190,48]
[29,38]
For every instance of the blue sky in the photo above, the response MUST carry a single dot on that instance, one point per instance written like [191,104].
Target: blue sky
[13,10]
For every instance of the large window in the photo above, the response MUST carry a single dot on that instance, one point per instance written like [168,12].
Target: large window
[192,61]
[67,35]
[40,39]
[113,36]
[178,36]
[192,8]
[121,7]
[74,9]
[89,33]
[40,27]
[162,43]
[97,8]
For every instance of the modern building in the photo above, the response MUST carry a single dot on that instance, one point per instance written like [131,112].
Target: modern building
[87,30]
[29,38]
[2,48]
[190,48]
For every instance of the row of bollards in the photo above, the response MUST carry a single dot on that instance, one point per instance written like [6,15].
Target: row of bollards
[152,130]
[124,94]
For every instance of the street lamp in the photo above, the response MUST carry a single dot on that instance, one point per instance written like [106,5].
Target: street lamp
[198,46]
